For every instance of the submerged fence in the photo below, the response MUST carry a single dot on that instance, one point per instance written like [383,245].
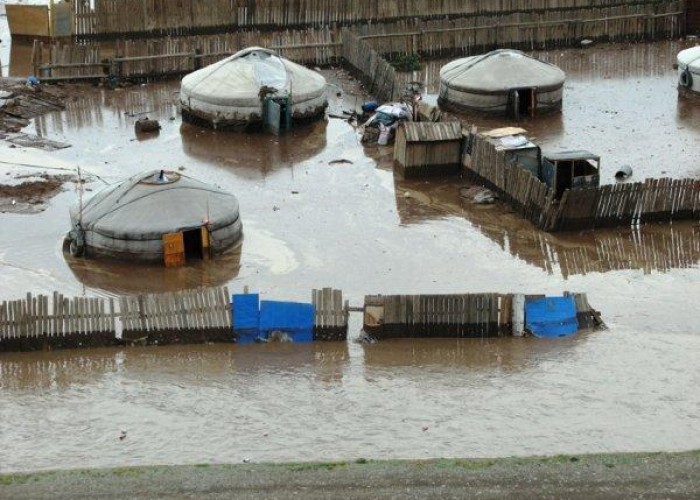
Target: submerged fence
[183,317]
[460,316]
[654,200]
[188,316]
[331,318]
[41,321]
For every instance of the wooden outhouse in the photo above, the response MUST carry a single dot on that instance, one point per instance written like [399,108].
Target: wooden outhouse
[428,149]
[570,170]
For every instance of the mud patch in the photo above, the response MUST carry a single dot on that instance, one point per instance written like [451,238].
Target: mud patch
[31,195]
[19,103]
[35,141]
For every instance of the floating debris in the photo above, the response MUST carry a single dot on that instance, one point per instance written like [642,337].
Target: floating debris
[624,172]
[35,141]
[145,125]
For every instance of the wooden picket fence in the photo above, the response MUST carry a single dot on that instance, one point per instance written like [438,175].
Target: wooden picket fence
[527,29]
[514,184]
[369,65]
[38,321]
[462,316]
[56,315]
[117,18]
[470,315]
[331,314]
[175,56]
[165,38]
[185,316]
[654,200]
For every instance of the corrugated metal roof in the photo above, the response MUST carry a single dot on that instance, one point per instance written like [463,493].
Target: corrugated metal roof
[430,132]
[503,131]
[511,142]
[571,155]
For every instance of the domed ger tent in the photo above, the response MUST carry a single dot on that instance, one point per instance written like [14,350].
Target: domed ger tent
[689,70]
[156,216]
[251,88]
[503,81]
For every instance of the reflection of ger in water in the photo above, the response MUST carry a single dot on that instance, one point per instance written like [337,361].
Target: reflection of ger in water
[651,247]
[254,155]
[120,277]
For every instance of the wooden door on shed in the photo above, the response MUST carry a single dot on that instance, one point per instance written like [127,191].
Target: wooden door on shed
[174,249]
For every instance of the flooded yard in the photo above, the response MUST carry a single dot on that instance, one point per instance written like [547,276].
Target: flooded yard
[310,222]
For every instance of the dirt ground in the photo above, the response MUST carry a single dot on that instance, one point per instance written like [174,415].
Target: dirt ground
[588,477]
[30,195]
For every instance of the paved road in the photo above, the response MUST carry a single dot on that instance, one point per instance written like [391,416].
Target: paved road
[590,477]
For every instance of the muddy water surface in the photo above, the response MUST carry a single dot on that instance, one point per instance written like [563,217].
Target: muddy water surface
[621,102]
[309,223]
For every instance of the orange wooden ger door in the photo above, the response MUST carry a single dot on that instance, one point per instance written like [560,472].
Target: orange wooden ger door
[173,249]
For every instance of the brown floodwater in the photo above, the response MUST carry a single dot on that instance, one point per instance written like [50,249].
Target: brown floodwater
[310,222]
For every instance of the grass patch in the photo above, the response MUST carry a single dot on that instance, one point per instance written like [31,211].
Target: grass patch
[6,479]
[560,459]
[476,464]
[406,62]
[128,471]
[316,466]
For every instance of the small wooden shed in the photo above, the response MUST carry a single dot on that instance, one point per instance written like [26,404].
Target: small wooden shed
[428,149]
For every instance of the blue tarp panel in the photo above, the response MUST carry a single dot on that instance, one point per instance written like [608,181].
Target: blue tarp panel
[247,336]
[551,317]
[246,317]
[293,318]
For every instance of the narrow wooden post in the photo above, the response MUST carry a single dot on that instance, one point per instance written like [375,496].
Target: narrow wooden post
[197,59]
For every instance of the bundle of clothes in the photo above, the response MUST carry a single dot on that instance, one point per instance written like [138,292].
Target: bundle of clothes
[384,121]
